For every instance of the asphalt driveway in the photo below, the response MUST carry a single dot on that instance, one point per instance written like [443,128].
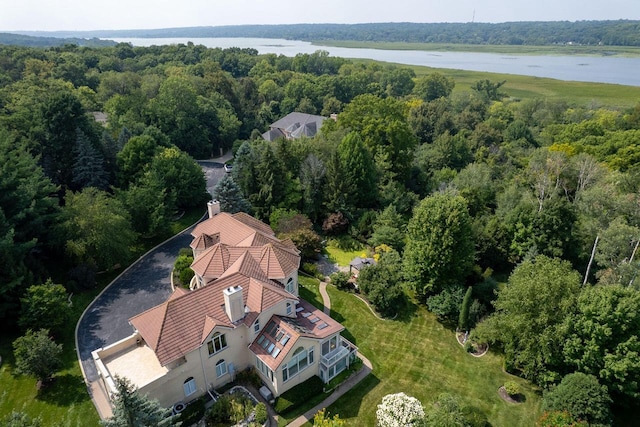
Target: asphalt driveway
[145,284]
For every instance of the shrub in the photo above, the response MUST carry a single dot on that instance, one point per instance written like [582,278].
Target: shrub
[312,270]
[340,280]
[249,376]
[512,388]
[182,268]
[261,413]
[299,394]
[220,412]
[345,243]
[185,276]
[193,413]
[336,223]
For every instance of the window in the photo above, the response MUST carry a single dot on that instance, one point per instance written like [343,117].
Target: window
[189,386]
[289,308]
[329,345]
[264,369]
[299,362]
[256,326]
[221,368]
[217,343]
[290,287]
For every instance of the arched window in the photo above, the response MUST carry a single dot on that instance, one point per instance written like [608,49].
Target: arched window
[221,368]
[189,386]
[289,308]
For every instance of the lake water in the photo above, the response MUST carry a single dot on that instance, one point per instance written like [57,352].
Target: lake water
[601,69]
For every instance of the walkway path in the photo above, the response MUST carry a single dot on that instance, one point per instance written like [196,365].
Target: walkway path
[342,388]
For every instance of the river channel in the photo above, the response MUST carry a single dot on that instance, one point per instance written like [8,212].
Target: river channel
[600,69]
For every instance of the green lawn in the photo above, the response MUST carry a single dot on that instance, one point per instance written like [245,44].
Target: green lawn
[419,356]
[342,257]
[65,402]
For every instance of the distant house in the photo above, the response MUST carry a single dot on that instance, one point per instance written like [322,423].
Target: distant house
[243,312]
[358,264]
[294,126]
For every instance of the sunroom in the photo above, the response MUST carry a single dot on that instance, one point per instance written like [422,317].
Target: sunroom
[337,354]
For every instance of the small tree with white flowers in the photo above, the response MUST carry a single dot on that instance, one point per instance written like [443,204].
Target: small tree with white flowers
[399,410]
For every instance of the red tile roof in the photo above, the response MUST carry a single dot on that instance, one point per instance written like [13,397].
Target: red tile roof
[181,324]
[234,236]
[309,322]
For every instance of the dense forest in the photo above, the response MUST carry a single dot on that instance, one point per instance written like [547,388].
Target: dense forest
[486,209]
[607,33]
[32,41]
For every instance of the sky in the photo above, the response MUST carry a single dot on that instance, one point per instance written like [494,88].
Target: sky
[68,15]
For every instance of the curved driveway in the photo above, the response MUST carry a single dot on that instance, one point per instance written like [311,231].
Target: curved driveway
[146,283]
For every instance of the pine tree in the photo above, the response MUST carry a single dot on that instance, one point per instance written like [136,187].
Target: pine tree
[228,193]
[463,320]
[133,410]
[88,169]
[359,169]
[312,179]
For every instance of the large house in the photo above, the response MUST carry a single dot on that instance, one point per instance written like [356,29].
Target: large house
[243,311]
[293,126]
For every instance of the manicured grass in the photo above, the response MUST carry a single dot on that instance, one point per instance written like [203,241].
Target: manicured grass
[505,49]
[341,257]
[66,402]
[419,356]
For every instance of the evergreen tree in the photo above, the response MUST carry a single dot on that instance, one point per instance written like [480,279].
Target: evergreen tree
[463,321]
[26,214]
[88,169]
[337,191]
[133,410]
[243,171]
[123,138]
[228,193]
[359,169]
[312,180]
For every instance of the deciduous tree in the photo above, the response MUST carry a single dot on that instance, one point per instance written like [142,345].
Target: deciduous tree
[531,315]
[47,301]
[439,251]
[37,354]
[583,397]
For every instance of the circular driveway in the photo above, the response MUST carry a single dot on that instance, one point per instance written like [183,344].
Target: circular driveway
[145,284]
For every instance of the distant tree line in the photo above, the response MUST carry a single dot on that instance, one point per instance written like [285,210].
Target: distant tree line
[535,33]
[41,41]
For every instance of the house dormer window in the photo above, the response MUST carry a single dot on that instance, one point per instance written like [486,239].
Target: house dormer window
[289,286]
[218,343]
[256,326]
[289,308]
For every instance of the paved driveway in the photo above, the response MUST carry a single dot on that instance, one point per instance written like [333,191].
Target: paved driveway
[145,284]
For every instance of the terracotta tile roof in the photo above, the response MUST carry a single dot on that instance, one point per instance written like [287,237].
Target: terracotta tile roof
[233,236]
[182,323]
[205,241]
[274,262]
[213,262]
[254,223]
[309,322]
[247,266]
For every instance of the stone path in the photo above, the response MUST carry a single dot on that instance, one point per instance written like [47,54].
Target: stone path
[342,388]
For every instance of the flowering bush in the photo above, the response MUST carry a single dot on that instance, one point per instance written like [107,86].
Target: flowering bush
[399,410]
